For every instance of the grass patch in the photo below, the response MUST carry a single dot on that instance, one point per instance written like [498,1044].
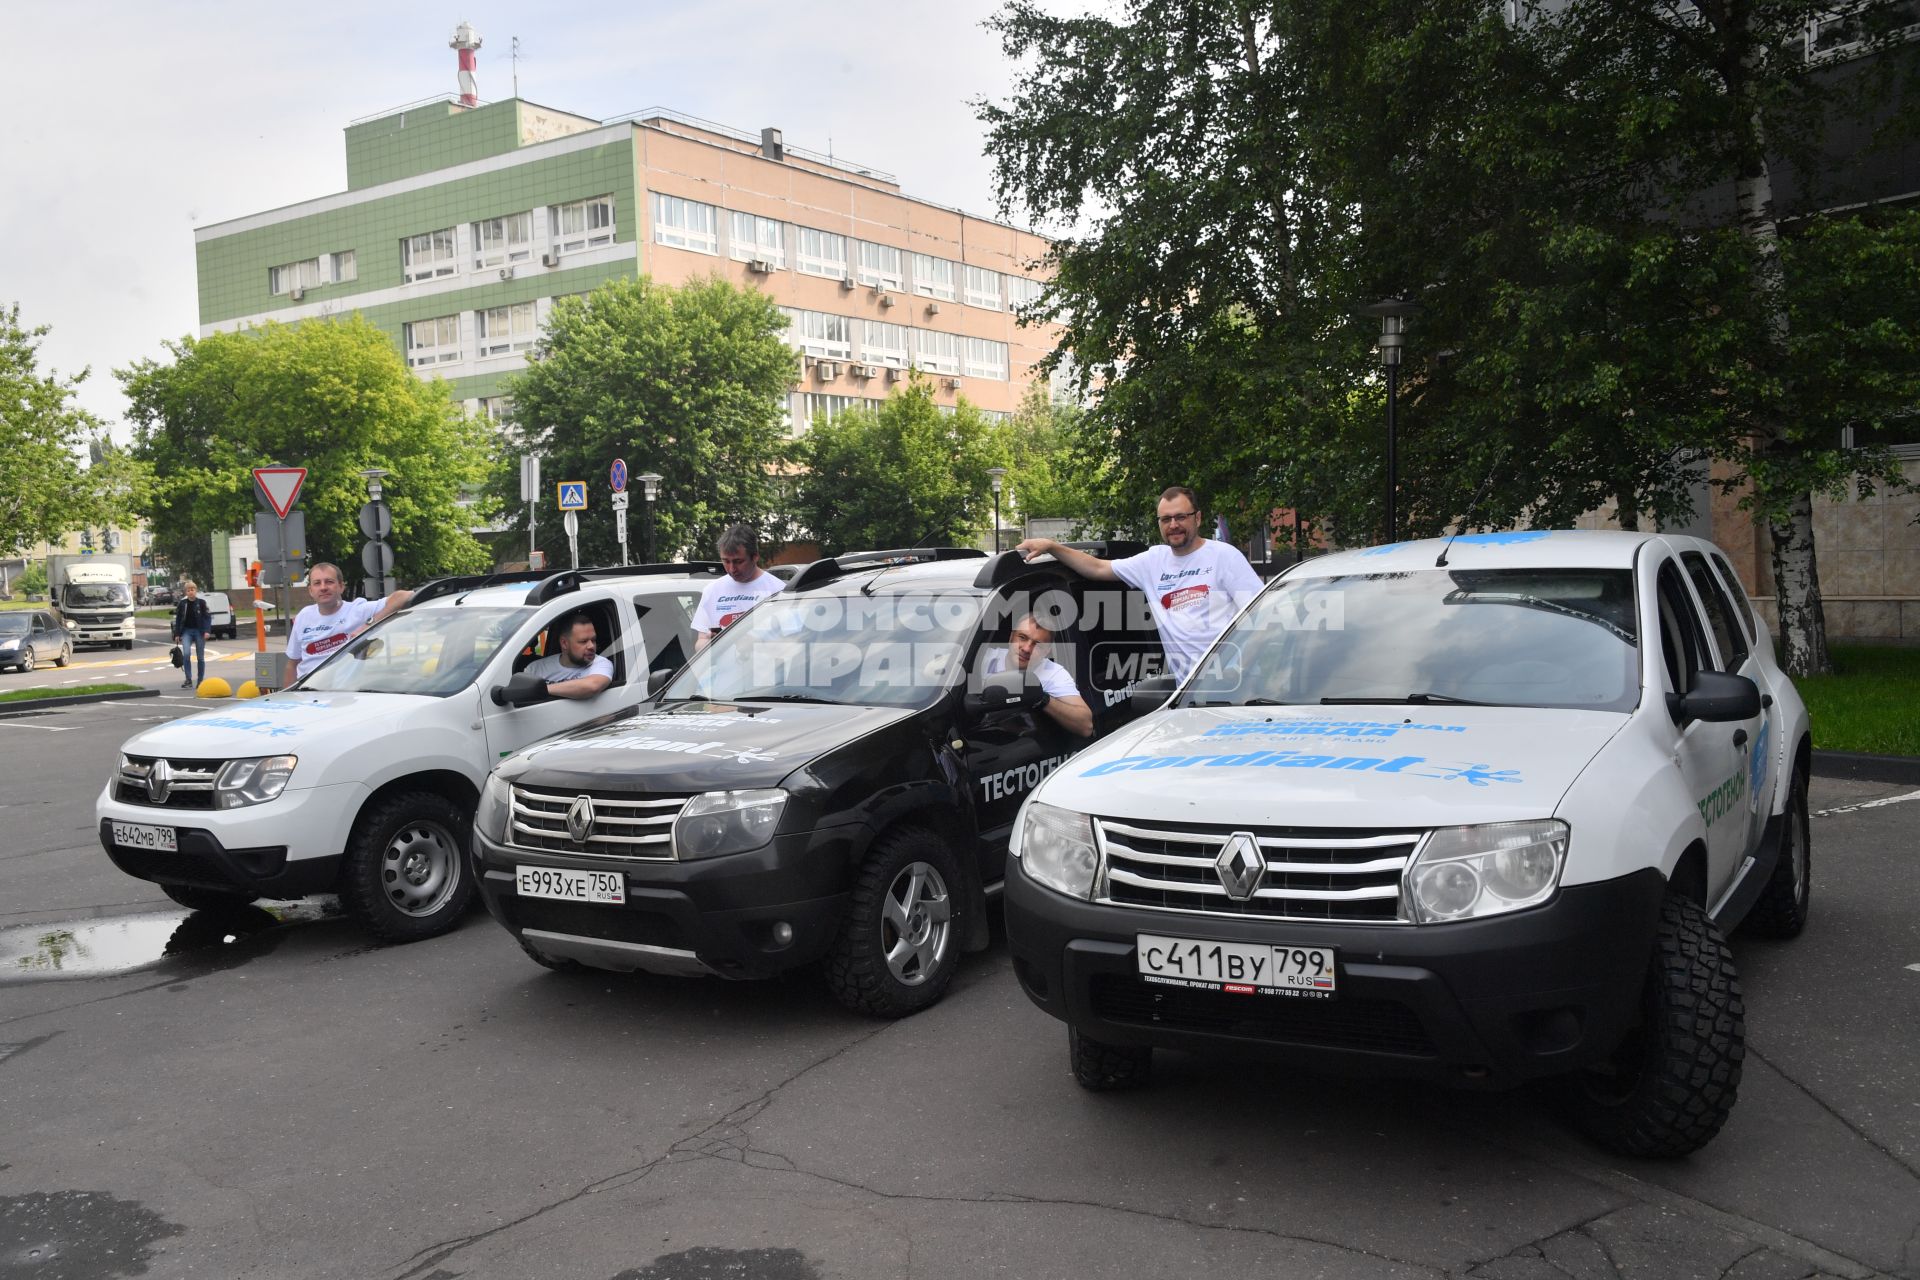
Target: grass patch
[163,614]
[1871,703]
[29,695]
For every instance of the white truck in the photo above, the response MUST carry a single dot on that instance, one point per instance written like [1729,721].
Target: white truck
[94,596]
[361,778]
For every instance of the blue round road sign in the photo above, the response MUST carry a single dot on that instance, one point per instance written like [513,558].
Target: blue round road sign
[617,475]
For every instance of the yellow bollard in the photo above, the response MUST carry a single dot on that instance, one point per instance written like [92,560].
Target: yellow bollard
[214,687]
[247,690]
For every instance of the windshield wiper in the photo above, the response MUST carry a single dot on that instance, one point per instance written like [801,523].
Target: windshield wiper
[776,697]
[1431,698]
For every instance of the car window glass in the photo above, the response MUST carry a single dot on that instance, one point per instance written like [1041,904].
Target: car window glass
[435,652]
[1744,608]
[1727,634]
[1682,640]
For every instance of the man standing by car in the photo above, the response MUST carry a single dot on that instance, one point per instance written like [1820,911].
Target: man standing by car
[745,585]
[191,622]
[1194,585]
[577,671]
[330,621]
[1056,693]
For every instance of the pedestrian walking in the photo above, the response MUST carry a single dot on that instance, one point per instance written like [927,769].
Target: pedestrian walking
[191,622]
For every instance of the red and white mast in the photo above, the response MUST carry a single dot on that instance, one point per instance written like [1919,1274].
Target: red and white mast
[467,41]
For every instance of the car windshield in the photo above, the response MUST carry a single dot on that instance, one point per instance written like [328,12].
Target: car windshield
[94,595]
[1507,637]
[15,624]
[433,652]
[883,650]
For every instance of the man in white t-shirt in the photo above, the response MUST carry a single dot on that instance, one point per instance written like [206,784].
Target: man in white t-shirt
[1194,585]
[745,585]
[1059,697]
[330,621]
[577,671]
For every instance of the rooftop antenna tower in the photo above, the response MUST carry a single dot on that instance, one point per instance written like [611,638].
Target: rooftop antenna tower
[516,66]
[467,41]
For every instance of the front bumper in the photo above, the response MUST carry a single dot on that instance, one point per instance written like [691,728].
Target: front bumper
[1483,1003]
[712,916]
[290,846]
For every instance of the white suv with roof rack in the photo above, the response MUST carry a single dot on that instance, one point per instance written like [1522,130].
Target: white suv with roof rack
[361,778]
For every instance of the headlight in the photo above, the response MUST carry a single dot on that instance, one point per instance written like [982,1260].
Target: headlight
[720,822]
[1463,873]
[9,644]
[243,782]
[1056,847]
[496,806]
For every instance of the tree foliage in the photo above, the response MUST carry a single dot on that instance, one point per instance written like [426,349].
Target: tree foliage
[44,491]
[332,396]
[1046,477]
[903,475]
[688,382]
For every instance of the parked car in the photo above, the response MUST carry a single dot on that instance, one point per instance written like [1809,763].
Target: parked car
[220,620]
[29,637]
[361,777]
[832,779]
[1479,811]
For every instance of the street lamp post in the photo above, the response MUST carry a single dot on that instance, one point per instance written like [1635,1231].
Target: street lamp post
[1393,314]
[650,488]
[997,477]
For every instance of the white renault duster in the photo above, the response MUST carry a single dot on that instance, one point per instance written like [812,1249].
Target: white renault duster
[1477,812]
[362,777]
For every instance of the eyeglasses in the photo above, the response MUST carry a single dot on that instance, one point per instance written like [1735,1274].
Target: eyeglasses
[1177,517]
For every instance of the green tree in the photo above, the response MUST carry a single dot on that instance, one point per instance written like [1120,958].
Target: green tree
[689,383]
[1045,474]
[43,490]
[905,474]
[332,396]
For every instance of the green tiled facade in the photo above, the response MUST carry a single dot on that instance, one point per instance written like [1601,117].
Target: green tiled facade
[435,136]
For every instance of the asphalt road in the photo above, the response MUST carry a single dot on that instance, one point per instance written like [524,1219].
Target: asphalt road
[144,665]
[282,1099]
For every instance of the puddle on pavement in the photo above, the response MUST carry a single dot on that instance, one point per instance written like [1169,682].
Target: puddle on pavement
[78,1233]
[197,941]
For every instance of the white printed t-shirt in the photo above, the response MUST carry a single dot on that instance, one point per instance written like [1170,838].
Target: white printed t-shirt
[1193,597]
[1051,675]
[316,635]
[553,668]
[725,600]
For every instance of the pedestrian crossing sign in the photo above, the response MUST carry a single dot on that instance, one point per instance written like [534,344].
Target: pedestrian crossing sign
[573,495]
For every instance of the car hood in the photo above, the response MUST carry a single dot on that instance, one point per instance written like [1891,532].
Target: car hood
[278,723]
[1372,766]
[696,746]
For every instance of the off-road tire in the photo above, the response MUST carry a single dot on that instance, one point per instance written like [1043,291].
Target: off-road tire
[395,897]
[1781,910]
[1672,1082]
[197,899]
[857,969]
[1104,1068]
[559,964]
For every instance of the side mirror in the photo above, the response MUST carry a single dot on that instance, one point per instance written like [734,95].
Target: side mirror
[657,680]
[519,691]
[1150,695]
[1719,698]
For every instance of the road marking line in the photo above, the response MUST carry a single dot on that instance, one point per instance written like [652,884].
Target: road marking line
[50,728]
[1867,804]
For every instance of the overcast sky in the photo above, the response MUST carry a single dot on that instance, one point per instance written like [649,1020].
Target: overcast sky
[135,122]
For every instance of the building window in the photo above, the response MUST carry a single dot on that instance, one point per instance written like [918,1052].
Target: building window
[817,333]
[1843,33]
[346,266]
[878,264]
[1022,291]
[505,330]
[884,343]
[498,242]
[936,352]
[832,406]
[431,342]
[685,224]
[983,288]
[750,238]
[821,253]
[986,359]
[582,224]
[304,274]
[495,409]
[933,277]
[427,256]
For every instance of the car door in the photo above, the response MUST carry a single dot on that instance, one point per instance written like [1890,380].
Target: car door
[1734,646]
[666,630]
[48,638]
[510,728]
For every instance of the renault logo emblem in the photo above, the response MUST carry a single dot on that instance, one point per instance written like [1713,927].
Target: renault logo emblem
[159,781]
[580,819]
[1240,866]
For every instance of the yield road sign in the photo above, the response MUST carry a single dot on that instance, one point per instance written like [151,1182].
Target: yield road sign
[280,486]
[572,495]
[617,475]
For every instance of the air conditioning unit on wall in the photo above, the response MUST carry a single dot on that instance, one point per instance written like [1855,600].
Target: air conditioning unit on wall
[886,299]
[846,283]
[866,371]
[951,384]
[895,375]
[549,259]
[827,369]
[296,293]
[760,266]
[933,308]
[506,273]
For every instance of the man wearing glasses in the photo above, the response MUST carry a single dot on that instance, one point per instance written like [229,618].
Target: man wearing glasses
[1193,584]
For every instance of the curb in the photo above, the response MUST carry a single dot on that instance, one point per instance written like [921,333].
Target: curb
[1860,767]
[74,700]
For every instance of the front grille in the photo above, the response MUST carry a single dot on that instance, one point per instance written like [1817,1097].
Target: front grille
[1373,1026]
[625,826]
[1344,875]
[192,784]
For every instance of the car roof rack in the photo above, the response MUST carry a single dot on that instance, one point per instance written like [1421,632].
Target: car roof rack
[434,588]
[833,567]
[559,584]
[1008,565]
